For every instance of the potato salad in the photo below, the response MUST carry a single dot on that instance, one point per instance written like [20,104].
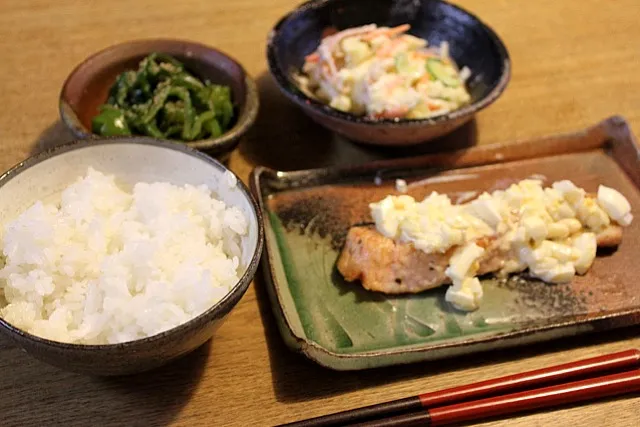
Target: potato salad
[384,73]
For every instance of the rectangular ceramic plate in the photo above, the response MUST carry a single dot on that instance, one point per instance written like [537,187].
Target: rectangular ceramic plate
[342,326]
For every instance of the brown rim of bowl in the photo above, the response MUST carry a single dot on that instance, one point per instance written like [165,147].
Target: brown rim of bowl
[245,120]
[236,292]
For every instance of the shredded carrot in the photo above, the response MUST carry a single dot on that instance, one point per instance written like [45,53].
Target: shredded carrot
[384,51]
[397,112]
[390,48]
[484,242]
[399,29]
[314,57]
[372,35]
[396,45]
[388,32]
[426,55]
[329,31]
[425,79]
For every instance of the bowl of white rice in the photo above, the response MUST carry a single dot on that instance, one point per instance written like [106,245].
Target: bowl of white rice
[120,255]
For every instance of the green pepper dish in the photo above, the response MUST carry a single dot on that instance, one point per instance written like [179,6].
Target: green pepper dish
[161,99]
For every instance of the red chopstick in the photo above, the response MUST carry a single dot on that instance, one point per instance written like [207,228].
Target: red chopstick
[510,383]
[578,391]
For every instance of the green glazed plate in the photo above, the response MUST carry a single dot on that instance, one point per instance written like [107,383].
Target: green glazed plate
[342,326]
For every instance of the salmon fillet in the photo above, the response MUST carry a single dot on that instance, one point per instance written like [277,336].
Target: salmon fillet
[384,265]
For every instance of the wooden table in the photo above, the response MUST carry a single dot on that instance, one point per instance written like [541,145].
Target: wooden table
[575,63]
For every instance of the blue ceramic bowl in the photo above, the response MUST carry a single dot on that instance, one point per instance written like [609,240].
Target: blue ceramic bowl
[472,44]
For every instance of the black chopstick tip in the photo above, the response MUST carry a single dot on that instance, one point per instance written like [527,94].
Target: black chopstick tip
[364,414]
[422,419]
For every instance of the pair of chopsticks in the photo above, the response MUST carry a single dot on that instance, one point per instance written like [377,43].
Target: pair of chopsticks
[488,399]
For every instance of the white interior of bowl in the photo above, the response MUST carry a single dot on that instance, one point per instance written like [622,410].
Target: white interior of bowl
[130,162]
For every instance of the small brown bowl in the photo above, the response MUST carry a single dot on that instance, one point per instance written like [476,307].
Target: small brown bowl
[87,87]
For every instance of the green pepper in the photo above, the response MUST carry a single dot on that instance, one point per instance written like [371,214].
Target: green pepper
[213,128]
[134,120]
[189,113]
[221,97]
[118,93]
[187,81]
[173,112]
[161,99]
[170,60]
[173,130]
[158,102]
[110,122]
[196,130]
[152,130]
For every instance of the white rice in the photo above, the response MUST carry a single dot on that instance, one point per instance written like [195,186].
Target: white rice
[108,266]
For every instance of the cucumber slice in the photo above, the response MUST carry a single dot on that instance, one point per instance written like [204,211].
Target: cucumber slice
[438,70]
[413,70]
[402,63]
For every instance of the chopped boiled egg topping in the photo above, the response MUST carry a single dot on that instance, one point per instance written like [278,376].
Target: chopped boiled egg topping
[550,231]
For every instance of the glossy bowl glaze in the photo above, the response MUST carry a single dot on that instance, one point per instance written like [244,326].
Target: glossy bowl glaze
[131,160]
[472,44]
[87,87]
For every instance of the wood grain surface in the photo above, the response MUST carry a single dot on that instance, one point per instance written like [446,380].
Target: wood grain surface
[574,63]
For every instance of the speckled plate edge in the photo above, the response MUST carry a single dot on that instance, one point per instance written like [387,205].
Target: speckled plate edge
[613,133]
